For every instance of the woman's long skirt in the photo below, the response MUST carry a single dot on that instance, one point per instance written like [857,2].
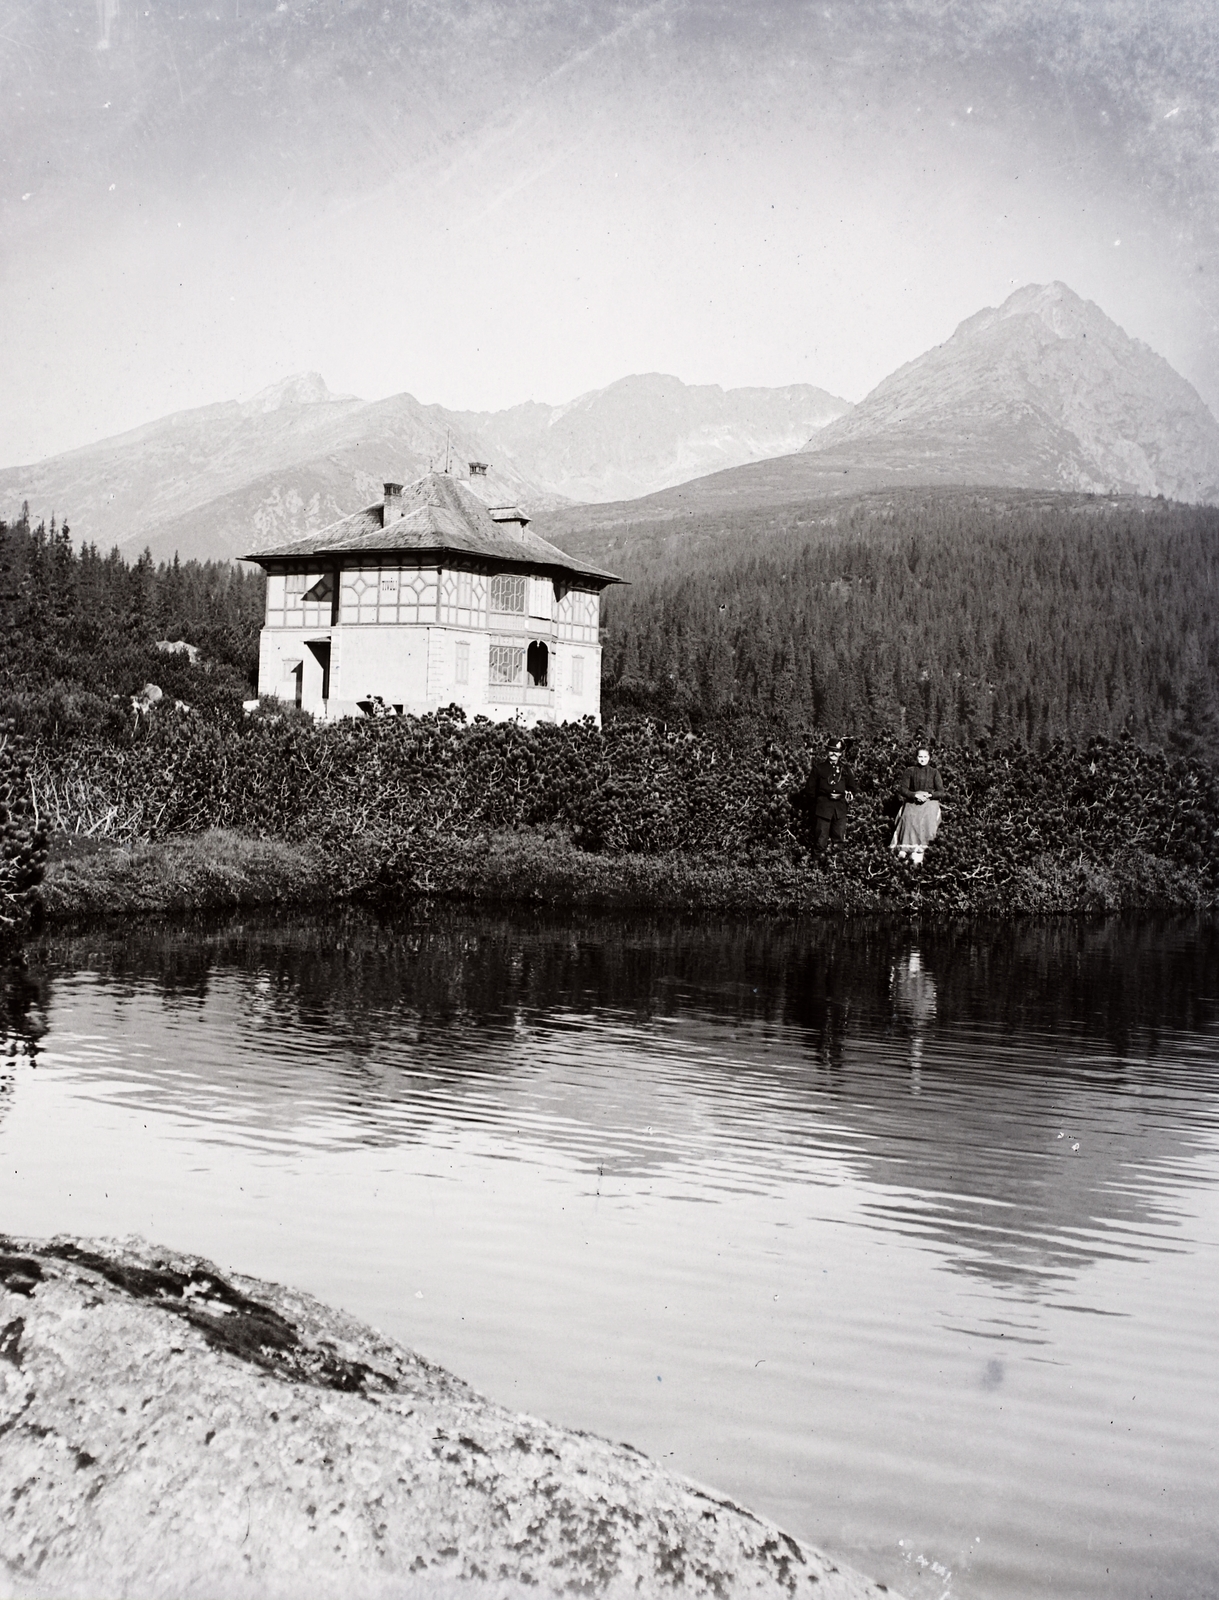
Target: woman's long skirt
[916,826]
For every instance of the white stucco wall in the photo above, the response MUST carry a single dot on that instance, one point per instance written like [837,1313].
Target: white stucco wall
[414,664]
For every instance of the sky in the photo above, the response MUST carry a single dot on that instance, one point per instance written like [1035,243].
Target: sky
[489,201]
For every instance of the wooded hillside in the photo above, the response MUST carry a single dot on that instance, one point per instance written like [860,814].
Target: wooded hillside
[958,614]
[78,630]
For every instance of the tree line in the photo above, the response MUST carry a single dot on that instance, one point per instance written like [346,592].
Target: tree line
[956,616]
[78,629]
[959,616]
[998,638]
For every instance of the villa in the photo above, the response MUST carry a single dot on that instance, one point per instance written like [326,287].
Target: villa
[428,599]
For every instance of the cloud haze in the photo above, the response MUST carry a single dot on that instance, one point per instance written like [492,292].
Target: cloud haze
[484,203]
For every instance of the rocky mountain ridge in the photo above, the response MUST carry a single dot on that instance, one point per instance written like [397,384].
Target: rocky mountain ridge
[221,480]
[650,430]
[1043,394]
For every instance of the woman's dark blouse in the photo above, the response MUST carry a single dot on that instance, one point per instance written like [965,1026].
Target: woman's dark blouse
[917,777]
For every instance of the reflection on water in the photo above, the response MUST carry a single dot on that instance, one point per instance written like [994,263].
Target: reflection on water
[21,1024]
[914,1000]
[903,1235]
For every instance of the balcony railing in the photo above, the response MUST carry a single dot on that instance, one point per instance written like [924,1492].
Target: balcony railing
[517,694]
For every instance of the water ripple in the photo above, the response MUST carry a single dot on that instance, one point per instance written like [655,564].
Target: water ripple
[906,1239]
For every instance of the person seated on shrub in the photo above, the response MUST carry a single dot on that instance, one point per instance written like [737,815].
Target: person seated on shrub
[827,793]
[919,788]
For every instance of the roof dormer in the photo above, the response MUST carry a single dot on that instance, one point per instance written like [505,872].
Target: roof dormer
[508,514]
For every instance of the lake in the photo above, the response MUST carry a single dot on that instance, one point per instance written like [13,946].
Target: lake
[907,1237]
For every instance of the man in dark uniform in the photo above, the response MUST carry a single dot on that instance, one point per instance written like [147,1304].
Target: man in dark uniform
[828,791]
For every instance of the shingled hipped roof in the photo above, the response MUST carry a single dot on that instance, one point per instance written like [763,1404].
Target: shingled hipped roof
[439,516]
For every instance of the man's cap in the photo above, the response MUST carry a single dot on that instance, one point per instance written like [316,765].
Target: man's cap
[837,744]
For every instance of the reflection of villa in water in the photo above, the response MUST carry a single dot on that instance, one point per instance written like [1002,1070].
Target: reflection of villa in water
[431,599]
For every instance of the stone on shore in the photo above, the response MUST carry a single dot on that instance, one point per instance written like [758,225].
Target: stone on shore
[170,1431]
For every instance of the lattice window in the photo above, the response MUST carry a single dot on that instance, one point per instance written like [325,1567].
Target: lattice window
[507,663]
[389,594]
[361,595]
[508,592]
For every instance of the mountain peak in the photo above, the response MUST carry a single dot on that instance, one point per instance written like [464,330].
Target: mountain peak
[1044,391]
[1062,312]
[301,389]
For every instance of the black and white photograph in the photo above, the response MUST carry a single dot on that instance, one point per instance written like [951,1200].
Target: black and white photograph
[609,799]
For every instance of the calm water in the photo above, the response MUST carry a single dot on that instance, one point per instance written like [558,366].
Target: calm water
[909,1239]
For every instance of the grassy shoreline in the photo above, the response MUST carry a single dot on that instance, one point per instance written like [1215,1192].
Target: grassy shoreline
[224,868]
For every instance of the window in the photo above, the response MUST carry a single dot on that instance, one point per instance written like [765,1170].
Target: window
[541,597]
[465,589]
[389,594]
[507,663]
[577,674]
[462,667]
[537,664]
[508,592]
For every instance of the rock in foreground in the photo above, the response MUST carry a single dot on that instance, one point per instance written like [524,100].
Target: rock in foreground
[168,1431]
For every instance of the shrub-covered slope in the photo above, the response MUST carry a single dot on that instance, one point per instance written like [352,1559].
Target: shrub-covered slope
[400,806]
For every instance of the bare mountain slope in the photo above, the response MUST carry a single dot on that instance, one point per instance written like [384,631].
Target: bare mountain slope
[1044,392]
[218,480]
[648,432]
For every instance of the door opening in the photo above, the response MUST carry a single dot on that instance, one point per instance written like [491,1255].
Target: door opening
[537,664]
[321,654]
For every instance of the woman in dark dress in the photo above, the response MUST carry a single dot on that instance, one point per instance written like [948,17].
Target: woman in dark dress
[919,789]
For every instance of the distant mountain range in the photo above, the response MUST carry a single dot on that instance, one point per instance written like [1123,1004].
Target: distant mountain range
[1045,393]
[647,433]
[226,479]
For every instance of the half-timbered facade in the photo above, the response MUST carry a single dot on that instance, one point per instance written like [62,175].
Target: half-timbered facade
[429,599]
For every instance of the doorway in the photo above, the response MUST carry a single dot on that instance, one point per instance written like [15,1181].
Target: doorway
[537,664]
[321,654]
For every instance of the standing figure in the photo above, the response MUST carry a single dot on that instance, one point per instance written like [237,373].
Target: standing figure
[919,787]
[828,792]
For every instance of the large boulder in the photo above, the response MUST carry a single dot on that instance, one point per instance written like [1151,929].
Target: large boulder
[166,1430]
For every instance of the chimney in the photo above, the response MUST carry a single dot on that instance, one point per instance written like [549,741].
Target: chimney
[393,504]
[478,469]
